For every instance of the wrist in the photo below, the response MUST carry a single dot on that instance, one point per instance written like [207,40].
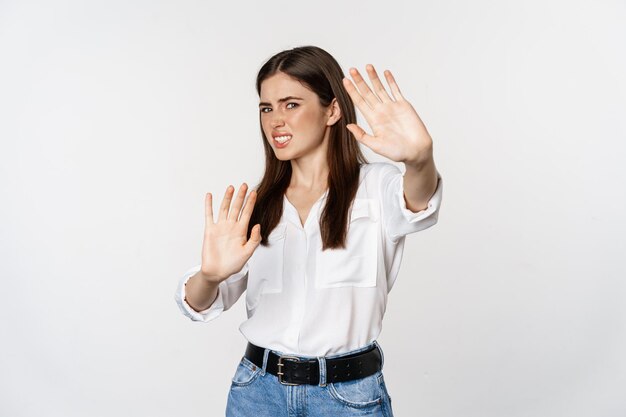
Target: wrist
[208,280]
[421,160]
[419,164]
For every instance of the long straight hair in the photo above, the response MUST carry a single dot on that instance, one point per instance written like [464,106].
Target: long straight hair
[321,73]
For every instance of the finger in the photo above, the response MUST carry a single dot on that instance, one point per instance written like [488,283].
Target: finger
[378,85]
[362,136]
[236,207]
[356,97]
[256,232]
[255,238]
[364,89]
[228,195]
[395,90]
[248,208]
[208,208]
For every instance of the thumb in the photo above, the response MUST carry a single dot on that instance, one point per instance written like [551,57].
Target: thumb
[359,134]
[255,236]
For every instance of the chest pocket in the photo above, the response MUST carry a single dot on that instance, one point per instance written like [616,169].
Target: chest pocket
[357,264]
[266,266]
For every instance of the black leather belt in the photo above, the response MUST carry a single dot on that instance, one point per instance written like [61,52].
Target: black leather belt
[294,370]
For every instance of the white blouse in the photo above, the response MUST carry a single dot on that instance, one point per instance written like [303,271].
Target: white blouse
[303,301]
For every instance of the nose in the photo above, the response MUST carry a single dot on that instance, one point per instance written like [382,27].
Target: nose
[277,120]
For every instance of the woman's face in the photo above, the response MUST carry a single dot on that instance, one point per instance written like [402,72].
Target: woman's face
[288,108]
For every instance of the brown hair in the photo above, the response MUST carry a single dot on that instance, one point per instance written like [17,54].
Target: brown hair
[321,73]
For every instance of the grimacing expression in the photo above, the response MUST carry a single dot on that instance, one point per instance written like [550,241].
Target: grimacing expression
[289,108]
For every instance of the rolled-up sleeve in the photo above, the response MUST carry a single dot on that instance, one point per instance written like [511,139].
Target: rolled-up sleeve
[228,292]
[398,219]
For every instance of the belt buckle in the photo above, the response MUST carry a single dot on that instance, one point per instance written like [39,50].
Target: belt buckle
[280,374]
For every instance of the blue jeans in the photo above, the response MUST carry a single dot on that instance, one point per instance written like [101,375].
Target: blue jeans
[257,393]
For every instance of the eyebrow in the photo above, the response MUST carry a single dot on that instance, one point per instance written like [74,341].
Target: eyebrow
[280,100]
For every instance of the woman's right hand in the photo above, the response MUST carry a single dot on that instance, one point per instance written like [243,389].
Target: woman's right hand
[225,249]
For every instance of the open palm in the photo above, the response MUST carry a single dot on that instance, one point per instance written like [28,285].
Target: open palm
[398,133]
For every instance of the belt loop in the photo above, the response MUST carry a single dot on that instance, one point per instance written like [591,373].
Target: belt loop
[322,363]
[266,353]
[382,356]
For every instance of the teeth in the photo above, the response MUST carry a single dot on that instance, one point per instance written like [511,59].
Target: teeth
[282,139]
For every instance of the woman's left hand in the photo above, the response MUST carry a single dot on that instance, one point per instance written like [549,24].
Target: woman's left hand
[397,131]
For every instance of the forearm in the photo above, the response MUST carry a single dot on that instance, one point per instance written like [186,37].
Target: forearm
[200,293]
[420,183]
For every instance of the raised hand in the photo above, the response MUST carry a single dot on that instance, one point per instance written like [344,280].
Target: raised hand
[397,131]
[226,249]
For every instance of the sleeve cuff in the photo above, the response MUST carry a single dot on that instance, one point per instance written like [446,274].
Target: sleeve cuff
[433,203]
[399,221]
[205,315]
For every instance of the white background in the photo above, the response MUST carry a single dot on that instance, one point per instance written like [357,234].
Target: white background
[116,117]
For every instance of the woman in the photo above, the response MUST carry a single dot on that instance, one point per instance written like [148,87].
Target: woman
[318,243]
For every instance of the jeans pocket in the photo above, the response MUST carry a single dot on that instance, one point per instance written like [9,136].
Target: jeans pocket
[357,393]
[246,373]
[383,388]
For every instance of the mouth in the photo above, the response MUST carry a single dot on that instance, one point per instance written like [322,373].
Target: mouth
[281,141]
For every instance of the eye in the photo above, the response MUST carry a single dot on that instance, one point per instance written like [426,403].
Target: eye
[262,109]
